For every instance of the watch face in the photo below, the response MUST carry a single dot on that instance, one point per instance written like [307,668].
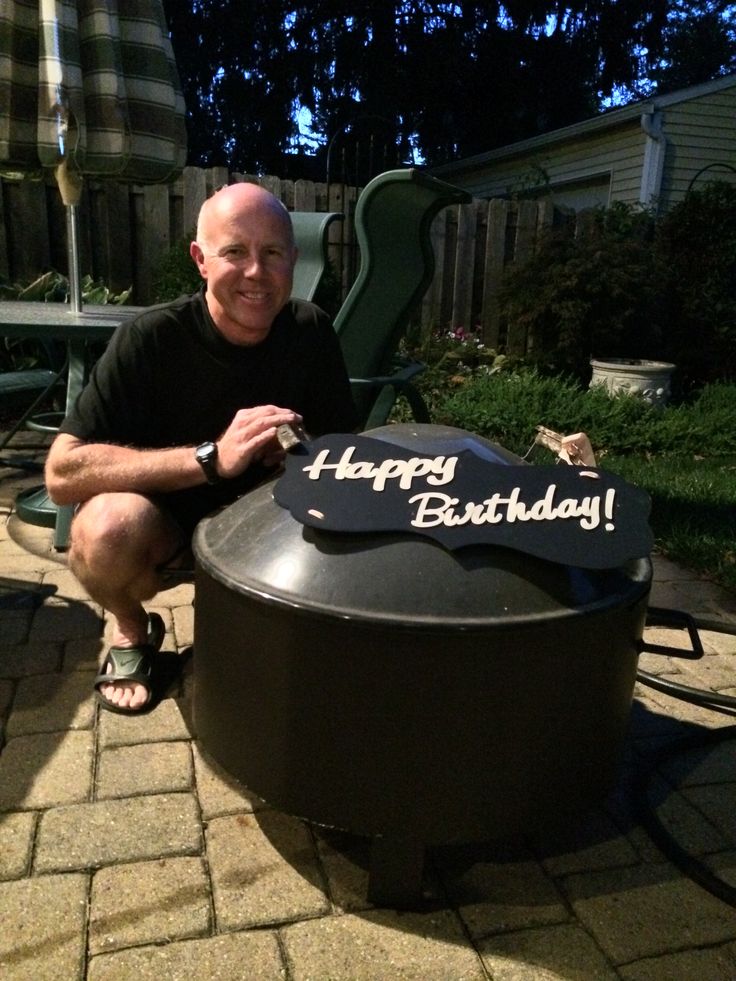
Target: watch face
[206,457]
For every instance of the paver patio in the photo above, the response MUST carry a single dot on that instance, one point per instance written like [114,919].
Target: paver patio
[125,852]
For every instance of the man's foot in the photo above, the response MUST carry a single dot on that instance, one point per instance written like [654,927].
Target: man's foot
[124,683]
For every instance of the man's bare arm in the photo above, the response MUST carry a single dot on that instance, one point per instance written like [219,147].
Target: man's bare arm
[76,470]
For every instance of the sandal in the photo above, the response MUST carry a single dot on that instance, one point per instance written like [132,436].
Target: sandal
[132,664]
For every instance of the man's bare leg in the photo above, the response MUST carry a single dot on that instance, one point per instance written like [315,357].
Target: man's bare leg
[117,543]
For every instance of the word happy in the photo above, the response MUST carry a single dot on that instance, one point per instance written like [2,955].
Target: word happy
[438,470]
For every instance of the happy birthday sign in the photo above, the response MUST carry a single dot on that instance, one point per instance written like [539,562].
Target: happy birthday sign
[576,516]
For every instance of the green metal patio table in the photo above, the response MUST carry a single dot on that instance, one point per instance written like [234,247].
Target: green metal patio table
[76,329]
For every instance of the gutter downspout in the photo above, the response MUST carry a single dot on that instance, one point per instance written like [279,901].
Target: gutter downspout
[654,154]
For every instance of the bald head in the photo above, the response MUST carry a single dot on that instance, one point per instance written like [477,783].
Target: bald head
[235,202]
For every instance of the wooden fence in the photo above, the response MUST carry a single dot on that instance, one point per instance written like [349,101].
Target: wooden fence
[125,229]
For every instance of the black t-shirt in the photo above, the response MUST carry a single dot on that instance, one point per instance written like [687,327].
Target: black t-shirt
[169,378]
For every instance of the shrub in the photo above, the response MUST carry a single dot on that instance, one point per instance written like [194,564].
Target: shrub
[630,286]
[507,409]
[591,295]
[696,249]
[176,273]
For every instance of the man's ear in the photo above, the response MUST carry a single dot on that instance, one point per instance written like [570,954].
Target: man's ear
[198,255]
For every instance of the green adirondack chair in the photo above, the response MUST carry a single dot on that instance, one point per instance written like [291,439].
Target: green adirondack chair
[392,221]
[310,232]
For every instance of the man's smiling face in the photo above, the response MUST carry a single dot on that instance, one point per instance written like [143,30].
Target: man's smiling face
[245,251]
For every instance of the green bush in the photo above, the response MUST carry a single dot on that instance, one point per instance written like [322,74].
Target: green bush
[629,285]
[595,294]
[176,273]
[53,287]
[508,407]
[696,252]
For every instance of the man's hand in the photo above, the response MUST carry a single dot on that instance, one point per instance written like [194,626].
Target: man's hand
[252,436]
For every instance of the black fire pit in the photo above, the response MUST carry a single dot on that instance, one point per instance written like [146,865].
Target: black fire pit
[386,686]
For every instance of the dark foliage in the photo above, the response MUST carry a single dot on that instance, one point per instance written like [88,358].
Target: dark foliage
[632,286]
[447,79]
[696,250]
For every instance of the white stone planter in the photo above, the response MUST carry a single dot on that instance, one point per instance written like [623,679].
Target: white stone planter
[650,379]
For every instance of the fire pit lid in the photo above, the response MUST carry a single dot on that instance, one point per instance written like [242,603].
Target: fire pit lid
[256,548]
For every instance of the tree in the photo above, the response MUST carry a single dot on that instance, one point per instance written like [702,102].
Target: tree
[699,44]
[449,79]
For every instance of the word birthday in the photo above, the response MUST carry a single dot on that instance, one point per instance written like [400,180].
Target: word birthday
[440,509]
[438,470]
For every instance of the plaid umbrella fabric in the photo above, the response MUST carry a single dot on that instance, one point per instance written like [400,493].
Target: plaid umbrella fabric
[89,88]
[92,85]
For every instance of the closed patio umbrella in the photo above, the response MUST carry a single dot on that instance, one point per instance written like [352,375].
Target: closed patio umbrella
[89,88]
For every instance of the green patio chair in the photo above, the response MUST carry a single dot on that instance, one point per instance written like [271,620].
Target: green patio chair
[311,235]
[392,221]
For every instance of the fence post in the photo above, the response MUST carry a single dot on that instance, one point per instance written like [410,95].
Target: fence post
[151,235]
[467,228]
[195,193]
[495,257]
[524,243]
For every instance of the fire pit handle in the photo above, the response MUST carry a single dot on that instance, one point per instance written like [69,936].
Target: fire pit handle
[658,616]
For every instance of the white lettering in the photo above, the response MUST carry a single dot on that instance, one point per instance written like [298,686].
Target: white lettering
[440,509]
[438,470]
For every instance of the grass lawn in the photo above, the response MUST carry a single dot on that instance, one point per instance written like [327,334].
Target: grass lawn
[693,508]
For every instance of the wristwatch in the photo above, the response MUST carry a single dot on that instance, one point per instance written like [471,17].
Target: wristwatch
[206,456]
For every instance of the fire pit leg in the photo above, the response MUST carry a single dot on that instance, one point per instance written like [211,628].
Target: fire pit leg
[395,877]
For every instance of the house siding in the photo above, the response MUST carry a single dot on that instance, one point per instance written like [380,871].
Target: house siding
[610,162]
[700,133]
[603,160]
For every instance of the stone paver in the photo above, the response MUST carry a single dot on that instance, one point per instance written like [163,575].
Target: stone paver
[85,654]
[382,945]
[545,954]
[595,844]
[346,861]
[718,804]
[166,723]
[495,896]
[184,625]
[46,770]
[86,836]
[16,841]
[145,768]
[7,691]
[218,792]
[230,957]
[65,620]
[20,660]
[43,928]
[647,911]
[51,703]
[709,764]
[264,870]
[14,627]
[149,902]
[716,964]
[683,821]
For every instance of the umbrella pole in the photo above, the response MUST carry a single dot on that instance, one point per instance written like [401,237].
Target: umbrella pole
[75,285]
